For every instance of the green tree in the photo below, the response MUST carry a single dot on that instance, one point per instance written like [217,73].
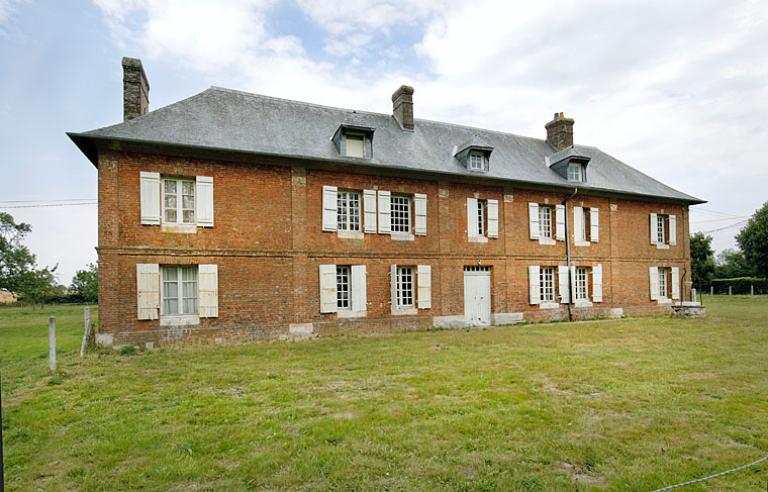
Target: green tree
[702,259]
[85,283]
[753,241]
[731,263]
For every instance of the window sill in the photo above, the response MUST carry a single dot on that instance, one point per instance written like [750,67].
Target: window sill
[405,311]
[664,300]
[180,320]
[662,246]
[344,313]
[351,235]
[179,228]
[402,236]
[477,239]
[583,304]
[549,305]
[582,243]
[547,241]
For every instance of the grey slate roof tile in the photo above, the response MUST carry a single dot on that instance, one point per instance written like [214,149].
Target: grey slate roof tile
[233,120]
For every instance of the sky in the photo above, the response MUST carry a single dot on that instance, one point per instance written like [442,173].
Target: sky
[677,89]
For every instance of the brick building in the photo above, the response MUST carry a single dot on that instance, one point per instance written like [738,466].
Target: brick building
[234,215]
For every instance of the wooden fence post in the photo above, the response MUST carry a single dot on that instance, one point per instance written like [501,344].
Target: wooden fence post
[730,290]
[86,329]
[52,344]
[711,290]
[752,290]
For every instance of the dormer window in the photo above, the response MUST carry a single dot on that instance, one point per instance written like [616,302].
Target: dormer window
[354,141]
[355,145]
[576,172]
[476,161]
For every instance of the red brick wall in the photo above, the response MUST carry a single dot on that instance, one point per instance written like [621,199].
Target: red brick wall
[268,243]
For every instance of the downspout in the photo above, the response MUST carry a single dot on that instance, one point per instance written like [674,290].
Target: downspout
[568,252]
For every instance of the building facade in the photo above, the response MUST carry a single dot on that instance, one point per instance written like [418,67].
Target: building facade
[235,216]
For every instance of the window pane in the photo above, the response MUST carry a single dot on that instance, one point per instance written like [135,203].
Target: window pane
[171,306]
[355,146]
[400,209]
[188,187]
[545,221]
[170,273]
[170,215]
[481,217]
[170,201]
[170,186]
[342,287]
[405,286]
[188,201]
[189,216]
[547,284]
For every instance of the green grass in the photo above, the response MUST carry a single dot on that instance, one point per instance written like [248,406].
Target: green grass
[619,405]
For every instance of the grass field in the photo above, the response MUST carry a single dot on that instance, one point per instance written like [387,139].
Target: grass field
[620,405]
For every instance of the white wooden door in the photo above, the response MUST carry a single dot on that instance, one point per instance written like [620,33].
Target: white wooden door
[477,296]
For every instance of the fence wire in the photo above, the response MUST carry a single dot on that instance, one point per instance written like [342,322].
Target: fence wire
[710,477]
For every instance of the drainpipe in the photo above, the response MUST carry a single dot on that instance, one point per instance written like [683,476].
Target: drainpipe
[568,252]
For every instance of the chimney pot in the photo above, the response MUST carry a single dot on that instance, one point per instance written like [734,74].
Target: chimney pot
[402,107]
[560,131]
[135,89]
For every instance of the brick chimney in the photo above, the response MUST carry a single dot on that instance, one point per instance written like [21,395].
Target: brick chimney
[560,131]
[135,89]
[402,107]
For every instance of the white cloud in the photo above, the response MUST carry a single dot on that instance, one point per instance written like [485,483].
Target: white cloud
[676,91]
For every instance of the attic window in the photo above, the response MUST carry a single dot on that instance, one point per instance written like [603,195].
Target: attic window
[477,161]
[576,172]
[355,145]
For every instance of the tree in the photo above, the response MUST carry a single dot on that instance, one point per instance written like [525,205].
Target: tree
[702,259]
[731,263]
[85,283]
[753,241]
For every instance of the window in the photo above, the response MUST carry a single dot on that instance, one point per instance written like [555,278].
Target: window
[355,145]
[400,210]
[179,289]
[476,161]
[343,275]
[663,289]
[576,171]
[582,284]
[661,228]
[545,221]
[404,287]
[584,225]
[547,284]
[481,208]
[348,210]
[178,201]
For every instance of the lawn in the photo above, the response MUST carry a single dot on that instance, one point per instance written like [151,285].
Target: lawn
[619,405]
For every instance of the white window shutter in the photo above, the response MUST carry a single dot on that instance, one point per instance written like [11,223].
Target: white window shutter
[534,292]
[359,289]
[393,285]
[653,274]
[672,230]
[493,218]
[204,201]
[420,213]
[597,283]
[594,225]
[208,290]
[330,208]
[533,220]
[573,283]
[654,226]
[562,284]
[560,222]
[578,224]
[148,290]
[385,212]
[150,198]
[369,205]
[675,283]
[471,217]
[328,288]
[424,282]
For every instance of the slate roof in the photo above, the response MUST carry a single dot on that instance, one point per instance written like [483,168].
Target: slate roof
[231,120]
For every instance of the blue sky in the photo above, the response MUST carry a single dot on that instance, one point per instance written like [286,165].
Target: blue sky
[679,93]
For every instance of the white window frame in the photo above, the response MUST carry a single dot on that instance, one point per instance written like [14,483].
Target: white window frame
[348,209]
[547,284]
[179,209]
[585,230]
[545,222]
[180,298]
[343,287]
[400,213]
[356,137]
[481,214]
[476,161]
[661,234]
[578,175]
[405,287]
[581,284]
[663,284]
